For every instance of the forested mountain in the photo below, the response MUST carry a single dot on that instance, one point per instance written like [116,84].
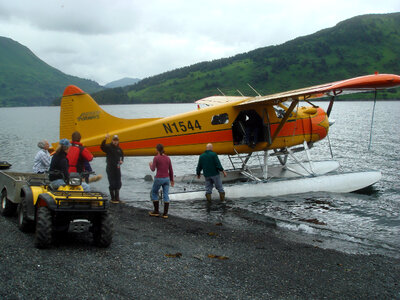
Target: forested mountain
[25,80]
[357,46]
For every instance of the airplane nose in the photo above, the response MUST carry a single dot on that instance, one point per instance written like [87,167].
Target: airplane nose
[325,123]
[322,124]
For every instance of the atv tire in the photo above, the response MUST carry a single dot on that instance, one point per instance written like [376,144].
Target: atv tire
[7,208]
[103,231]
[44,228]
[24,224]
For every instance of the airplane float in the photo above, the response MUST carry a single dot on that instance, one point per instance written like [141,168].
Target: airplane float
[238,126]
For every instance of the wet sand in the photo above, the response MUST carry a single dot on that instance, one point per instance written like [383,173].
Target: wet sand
[178,258]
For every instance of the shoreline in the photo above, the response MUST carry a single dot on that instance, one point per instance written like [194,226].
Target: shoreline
[179,258]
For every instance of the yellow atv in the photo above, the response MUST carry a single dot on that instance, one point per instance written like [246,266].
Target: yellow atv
[47,210]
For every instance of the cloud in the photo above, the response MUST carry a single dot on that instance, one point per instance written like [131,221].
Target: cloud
[84,17]
[105,41]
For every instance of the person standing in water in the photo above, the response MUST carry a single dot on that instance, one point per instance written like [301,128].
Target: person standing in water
[211,166]
[115,158]
[164,177]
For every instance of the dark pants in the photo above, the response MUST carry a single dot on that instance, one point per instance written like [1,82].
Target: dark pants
[114,178]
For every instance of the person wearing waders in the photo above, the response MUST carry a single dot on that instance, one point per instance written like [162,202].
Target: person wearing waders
[211,166]
[164,177]
[115,158]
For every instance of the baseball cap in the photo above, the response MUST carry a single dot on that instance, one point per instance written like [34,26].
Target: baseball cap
[65,142]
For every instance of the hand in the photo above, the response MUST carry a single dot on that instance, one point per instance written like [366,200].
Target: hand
[150,164]
[224,173]
[172,183]
[107,136]
[198,176]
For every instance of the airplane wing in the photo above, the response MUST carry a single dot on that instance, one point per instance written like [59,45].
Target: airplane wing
[217,100]
[353,85]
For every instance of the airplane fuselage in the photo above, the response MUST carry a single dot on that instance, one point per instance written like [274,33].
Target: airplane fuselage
[229,127]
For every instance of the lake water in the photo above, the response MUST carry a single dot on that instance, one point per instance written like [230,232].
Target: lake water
[354,223]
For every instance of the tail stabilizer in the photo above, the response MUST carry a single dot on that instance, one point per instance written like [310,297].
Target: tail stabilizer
[79,112]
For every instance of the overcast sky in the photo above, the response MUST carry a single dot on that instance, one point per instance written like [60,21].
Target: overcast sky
[106,40]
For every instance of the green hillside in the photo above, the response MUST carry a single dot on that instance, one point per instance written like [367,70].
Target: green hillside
[25,80]
[357,46]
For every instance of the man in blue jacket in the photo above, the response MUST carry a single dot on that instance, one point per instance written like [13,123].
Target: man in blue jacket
[211,166]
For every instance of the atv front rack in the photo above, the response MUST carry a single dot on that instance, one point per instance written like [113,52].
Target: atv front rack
[80,194]
[78,200]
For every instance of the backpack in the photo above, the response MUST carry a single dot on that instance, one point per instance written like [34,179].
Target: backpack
[80,164]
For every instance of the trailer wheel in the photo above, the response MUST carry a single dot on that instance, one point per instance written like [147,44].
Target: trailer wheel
[24,224]
[103,231]
[7,208]
[44,228]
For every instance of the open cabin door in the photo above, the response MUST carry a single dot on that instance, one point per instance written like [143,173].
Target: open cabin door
[250,129]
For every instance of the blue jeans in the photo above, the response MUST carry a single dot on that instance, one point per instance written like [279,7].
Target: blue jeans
[57,183]
[214,180]
[160,182]
[86,187]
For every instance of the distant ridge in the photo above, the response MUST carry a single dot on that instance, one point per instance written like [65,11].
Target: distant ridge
[26,80]
[122,82]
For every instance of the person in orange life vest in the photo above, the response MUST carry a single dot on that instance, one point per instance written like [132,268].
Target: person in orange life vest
[77,154]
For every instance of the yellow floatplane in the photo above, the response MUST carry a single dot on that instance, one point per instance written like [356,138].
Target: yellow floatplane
[238,126]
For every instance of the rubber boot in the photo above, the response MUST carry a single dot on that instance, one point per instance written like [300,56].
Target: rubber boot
[117,195]
[222,196]
[112,195]
[208,197]
[165,214]
[155,212]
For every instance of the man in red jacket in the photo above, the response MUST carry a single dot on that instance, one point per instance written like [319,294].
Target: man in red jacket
[77,155]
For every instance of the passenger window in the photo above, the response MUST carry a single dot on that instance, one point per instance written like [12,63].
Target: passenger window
[220,119]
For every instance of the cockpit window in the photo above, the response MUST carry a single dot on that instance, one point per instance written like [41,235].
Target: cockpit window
[280,112]
[281,109]
[220,119]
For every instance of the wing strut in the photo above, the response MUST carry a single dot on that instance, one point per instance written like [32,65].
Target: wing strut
[285,117]
[372,123]
[328,111]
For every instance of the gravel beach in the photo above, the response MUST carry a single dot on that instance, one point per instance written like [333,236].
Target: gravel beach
[178,258]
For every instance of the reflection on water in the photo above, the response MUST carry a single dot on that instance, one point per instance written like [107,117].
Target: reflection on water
[349,222]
